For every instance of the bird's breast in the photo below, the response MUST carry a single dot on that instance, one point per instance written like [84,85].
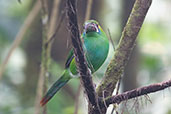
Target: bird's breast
[96,51]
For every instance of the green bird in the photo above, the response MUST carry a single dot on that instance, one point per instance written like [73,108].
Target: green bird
[95,47]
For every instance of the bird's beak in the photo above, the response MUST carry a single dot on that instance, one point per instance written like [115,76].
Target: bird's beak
[91,28]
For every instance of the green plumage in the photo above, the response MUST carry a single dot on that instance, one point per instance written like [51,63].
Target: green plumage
[95,46]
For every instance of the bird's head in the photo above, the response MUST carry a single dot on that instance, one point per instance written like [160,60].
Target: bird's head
[91,26]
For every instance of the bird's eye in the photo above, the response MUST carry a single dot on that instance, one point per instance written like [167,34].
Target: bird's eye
[97,25]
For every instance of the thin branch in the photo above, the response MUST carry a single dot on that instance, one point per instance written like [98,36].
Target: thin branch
[87,17]
[88,9]
[86,78]
[117,92]
[20,35]
[50,39]
[110,39]
[125,46]
[138,92]
[45,61]
[54,17]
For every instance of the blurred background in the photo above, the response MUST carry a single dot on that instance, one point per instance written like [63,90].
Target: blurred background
[150,61]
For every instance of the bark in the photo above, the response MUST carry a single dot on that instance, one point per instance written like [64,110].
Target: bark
[86,78]
[116,67]
[138,92]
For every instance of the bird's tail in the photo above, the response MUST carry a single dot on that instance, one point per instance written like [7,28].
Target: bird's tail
[55,87]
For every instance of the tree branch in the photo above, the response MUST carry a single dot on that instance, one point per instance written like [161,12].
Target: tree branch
[138,92]
[86,78]
[45,60]
[87,17]
[116,67]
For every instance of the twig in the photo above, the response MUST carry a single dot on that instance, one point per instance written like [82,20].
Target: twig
[20,35]
[88,9]
[53,18]
[138,92]
[117,92]
[118,86]
[110,38]
[86,78]
[57,29]
[87,17]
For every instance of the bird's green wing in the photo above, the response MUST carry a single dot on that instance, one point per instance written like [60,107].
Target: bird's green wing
[69,58]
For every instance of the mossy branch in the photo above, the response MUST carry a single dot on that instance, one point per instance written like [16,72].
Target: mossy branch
[126,44]
[45,60]
[138,92]
[123,51]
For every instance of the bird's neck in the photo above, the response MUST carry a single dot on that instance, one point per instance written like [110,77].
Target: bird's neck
[94,34]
